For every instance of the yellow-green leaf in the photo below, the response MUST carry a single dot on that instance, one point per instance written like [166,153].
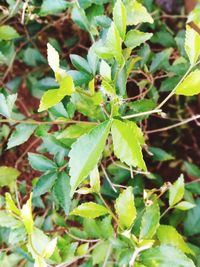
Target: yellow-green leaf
[119,16]
[192,44]
[53,58]
[125,208]
[176,191]
[135,38]
[26,215]
[8,33]
[8,175]
[190,85]
[168,235]
[137,13]
[90,210]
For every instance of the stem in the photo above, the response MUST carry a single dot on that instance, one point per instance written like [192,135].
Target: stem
[165,212]
[108,179]
[142,114]
[46,122]
[136,253]
[174,125]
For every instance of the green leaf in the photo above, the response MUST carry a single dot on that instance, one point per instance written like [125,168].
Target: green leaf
[21,134]
[99,253]
[192,169]
[159,154]
[176,191]
[44,184]
[127,141]
[90,210]
[119,16]
[150,221]
[41,163]
[82,249]
[6,220]
[161,60]
[52,7]
[125,208]
[7,104]
[75,131]
[8,175]
[80,63]
[105,70]
[135,38]
[190,85]
[169,236]
[114,43]
[191,223]
[10,205]
[62,191]
[86,152]
[192,44]
[79,17]
[165,256]
[137,13]
[8,33]
[184,205]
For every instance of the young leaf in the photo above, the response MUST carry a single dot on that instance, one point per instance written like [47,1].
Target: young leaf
[95,180]
[150,221]
[44,184]
[184,205]
[76,130]
[190,85]
[62,191]
[165,256]
[90,210]
[125,208]
[169,236]
[86,152]
[26,215]
[8,175]
[49,250]
[8,33]
[137,13]
[135,38]
[53,58]
[21,134]
[127,141]
[114,43]
[119,16]
[41,163]
[6,220]
[176,191]
[105,70]
[192,44]
[10,205]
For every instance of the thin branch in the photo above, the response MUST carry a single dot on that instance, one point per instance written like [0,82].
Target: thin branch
[174,125]
[142,114]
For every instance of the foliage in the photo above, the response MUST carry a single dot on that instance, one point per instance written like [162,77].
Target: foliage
[91,201]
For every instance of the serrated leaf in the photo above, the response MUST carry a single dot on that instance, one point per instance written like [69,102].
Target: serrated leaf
[127,141]
[8,33]
[190,85]
[53,58]
[21,134]
[119,17]
[41,163]
[7,104]
[8,175]
[75,131]
[114,43]
[150,221]
[62,191]
[125,208]
[176,191]
[90,210]
[135,38]
[169,236]
[86,152]
[137,13]
[192,44]
[44,184]
[165,256]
